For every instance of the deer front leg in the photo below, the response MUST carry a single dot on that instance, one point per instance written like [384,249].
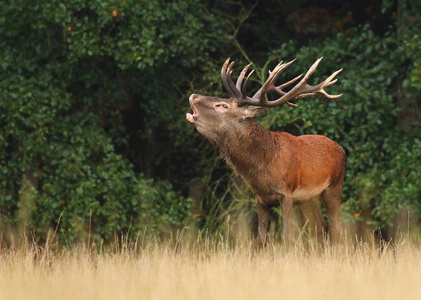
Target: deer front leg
[263,219]
[286,206]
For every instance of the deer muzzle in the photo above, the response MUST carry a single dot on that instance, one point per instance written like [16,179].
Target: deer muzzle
[193,99]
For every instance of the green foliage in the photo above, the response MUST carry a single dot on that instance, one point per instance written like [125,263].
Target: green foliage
[412,46]
[69,72]
[93,96]
[75,166]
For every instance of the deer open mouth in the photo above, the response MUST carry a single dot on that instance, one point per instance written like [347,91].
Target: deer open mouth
[192,117]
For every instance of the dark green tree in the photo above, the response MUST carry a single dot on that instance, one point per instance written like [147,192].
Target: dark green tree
[93,96]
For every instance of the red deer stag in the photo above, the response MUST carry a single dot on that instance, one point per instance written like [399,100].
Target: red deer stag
[281,169]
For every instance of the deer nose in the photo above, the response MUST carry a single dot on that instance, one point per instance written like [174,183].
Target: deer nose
[193,97]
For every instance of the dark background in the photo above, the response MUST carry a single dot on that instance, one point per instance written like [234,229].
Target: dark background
[93,97]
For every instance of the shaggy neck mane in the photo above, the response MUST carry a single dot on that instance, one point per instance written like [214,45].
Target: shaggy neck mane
[247,146]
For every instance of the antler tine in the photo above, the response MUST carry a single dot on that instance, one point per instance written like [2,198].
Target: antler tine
[238,90]
[241,77]
[327,82]
[226,79]
[278,70]
[269,85]
[312,69]
[320,87]
[273,75]
[244,88]
[301,90]
[284,85]
[230,66]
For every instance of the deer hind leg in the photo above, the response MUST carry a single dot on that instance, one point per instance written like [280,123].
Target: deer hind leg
[316,224]
[332,200]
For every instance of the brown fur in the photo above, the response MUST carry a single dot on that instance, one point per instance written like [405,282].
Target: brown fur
[280,169]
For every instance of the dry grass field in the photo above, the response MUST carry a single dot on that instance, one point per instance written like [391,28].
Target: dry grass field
[210,269]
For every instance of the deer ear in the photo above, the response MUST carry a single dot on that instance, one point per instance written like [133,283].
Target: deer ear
[251,110]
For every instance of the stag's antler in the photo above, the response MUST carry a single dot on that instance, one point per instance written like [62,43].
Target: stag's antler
[301,90]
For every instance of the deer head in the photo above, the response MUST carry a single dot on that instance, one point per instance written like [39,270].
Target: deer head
[213,115]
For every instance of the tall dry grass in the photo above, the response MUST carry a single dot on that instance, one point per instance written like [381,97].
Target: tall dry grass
[211,268]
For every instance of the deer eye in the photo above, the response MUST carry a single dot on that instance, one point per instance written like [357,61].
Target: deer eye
[221,104]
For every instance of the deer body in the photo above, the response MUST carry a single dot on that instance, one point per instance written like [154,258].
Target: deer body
[280,169]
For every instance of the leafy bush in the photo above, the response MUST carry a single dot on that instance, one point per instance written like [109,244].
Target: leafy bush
[93,97]
[70,71]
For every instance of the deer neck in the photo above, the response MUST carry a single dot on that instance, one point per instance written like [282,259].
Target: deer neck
[247,146]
